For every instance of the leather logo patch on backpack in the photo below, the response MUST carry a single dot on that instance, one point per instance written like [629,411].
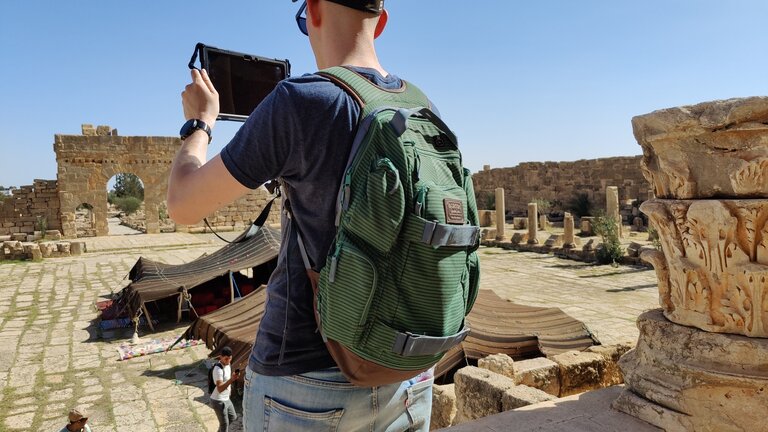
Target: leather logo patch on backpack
[454,211]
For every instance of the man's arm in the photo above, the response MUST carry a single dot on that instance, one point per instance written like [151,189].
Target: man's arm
[196,189]
[222,385]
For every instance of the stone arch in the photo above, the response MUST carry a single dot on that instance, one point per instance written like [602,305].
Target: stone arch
[86,163]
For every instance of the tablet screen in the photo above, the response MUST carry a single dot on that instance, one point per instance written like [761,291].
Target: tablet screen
[242,80]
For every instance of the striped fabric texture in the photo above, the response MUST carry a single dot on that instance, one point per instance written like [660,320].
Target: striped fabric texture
[381,278]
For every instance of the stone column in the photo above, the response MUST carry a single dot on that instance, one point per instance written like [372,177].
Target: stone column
[700,361]
[612,206]
[543,222]
[500,214]
[569,241]
[533,223]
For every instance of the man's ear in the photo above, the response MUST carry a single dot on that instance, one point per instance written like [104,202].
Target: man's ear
[313,12]
[381,23]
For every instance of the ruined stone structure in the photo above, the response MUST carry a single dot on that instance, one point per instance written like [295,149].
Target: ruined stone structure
[86,163]
[31,208]
[700,361]
[562,181]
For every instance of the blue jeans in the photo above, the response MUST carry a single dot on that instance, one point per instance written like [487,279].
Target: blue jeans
[325,401]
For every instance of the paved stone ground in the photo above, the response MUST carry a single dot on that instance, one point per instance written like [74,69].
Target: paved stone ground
[51,357]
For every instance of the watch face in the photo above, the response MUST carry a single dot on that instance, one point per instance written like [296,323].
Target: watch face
[188,128]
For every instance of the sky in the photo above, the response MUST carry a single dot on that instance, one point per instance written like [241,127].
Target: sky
[517,81]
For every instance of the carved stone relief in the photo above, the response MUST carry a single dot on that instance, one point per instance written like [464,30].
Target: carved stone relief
[710,150]
[713,263]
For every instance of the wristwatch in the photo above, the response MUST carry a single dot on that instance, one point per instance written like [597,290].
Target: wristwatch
[191,126]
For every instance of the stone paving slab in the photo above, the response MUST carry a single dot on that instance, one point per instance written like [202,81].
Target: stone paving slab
[51,356]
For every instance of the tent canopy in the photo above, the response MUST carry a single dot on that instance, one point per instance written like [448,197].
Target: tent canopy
[152,280]
[497,326]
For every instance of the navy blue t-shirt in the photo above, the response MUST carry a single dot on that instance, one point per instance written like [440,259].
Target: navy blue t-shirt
[302,132]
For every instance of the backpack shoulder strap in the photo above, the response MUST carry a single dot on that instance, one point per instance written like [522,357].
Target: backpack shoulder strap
[370,96]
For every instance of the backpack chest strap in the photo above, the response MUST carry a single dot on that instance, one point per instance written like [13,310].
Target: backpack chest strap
[437,234]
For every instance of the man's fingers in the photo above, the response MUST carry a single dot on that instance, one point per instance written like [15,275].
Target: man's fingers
[195,76]
[207,81]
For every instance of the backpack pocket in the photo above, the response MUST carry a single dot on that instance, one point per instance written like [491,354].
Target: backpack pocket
[376,216]
[345,293]
[429,296]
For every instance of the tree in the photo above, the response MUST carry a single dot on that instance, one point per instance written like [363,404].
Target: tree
[128,185]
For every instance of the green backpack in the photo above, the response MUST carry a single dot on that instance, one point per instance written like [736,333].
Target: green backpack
[403,271]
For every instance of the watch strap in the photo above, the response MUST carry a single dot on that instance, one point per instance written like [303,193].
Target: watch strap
[193,125]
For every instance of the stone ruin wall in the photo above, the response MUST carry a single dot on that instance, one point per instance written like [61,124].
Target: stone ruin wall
[562,181]
[86,163]
[20,212]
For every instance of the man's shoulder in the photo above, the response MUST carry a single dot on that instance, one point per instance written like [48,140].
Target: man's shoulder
[308,86]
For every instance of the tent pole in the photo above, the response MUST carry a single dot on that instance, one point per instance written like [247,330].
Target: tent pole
[178,312]
[149,317]
[231,289]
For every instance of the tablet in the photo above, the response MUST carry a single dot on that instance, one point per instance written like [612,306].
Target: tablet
[242,80]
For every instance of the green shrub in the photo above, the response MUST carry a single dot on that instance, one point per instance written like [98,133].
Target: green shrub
[128,205]
[486,200]
[580,205]
[609,251]
[162,212]
[41,225]
[542,206]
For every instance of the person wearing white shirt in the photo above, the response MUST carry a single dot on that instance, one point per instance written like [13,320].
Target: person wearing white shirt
[223,378]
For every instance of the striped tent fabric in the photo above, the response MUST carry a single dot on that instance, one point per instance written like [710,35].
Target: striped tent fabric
[152,280]
[498,326]
[233,325]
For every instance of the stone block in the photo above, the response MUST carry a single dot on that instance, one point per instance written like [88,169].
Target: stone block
[443,406]
[13,245]
[520,222]
[63,248]
[36,254]
[53,234]
[579,371]
[681,378]
[540,373]
[478,393]
[19,237]
[88,130]
[47,249]
[522,395]
[611,374]
[76,247]
[519,238]
[488,233]
[501,364]
[555,240]
[633,250]
[487,218]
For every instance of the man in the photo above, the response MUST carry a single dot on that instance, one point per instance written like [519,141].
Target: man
[223,378]
[77,422]
[302,133]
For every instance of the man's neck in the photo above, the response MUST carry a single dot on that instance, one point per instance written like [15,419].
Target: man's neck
[351,54]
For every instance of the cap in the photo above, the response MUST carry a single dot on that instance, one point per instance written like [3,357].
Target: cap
[76,414]
[226,351]
[372,6]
